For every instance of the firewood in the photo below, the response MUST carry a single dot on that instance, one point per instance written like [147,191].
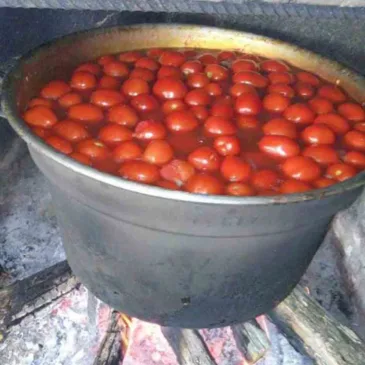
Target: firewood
[189,347]
[314,332]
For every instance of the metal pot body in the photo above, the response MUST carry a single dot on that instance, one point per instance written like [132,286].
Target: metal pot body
[175,258]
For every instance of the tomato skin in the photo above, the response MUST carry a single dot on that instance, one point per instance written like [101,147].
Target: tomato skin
[149,129]
[250,78]
[139,171]
[320,105]
[109,82]
[71,131]
[247,122]
[158,152]
[197,80]
[116,69]
[318,134]
[294,186]
[226,56]
[79,157]
[90,67]
[154,52]
[197,97]
[239,189]
[280,78]
[40,116]
[169,71]
[322,154]
[106,98]
[275,103]
[265,180]
[304,90]
[69,99]
[173,105]
[299,114]
[207,59]
[59,144]
[123,115]
[280,127]
[103,60]
[355,158]
[94,149]
[301,168]
[237,90]
[86,113]
[167,185]
[41,132]
[360,127]
[204,184]
[222,110]
[244,65]
[144,103]
[177,171]
[128,150]
[355,139]
[282,89]
[204,159]
[248,104]
[191,67]
[352,112]
[340,172]
[273,66]
[234,169]
[227,145]
[216,72]
[172,58]
[213,89]
[334,121]
[142,73]
[200,112]
[279,146]
[181,121]
[130,57]
[332,93]
[55,89]
[218,126]
[40,101]
[82,80]
[323,182]
[135,86]
[112,134]
[169,88]
[308,78]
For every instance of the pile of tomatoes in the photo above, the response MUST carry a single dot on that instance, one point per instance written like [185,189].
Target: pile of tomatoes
[206,122]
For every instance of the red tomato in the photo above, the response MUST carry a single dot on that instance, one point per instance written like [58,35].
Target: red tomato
[169,88]
[147,63]
[86,113]
[69,99]
[207,59]
[205,159]
[178,172]
[273,66]
[71,131]
[248,104]
[222,110]
[234,169]
[301,168]
[123,115]
[197,97]
[149,129]
[173,105]
[218,126]
[308,78]
[259,160]
[191,67]
[59,144]
[109,82]
[282,89]
[323,182]
[265,180]
[299,114]
[93,68]
[41,132]
[158,152]
[79,157]
[103,60]
[226,56]
[169,71]
[360,127]
[213,89]
[204,184]
[247,122]
[167,185]
[340,172]
[227,145]
[275,103]
[352,111]
[240,189]
[334,121]
[40,116]
[142,73]
[355,139]
[280,127]
[250,78]
[128,150]
[320,105]
[216,72]
[83,80]
[144,102]
[130,57]
[355,158]
[280,78]
[40,101]
[172,58]
[55,89]
[197,80]
[106,98]
[244,65]
[139,171]
[154,52]
[279,146]
[239,89]
[322,154]
[318,134]
[181,121]
[112,134]
[293,187]
[134,87]
[332,92]
[304,90]
[200,112]
[116,69]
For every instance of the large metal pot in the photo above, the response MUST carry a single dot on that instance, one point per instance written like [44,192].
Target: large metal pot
[175,258]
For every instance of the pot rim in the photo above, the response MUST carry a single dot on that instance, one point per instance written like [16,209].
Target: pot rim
[9,107]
